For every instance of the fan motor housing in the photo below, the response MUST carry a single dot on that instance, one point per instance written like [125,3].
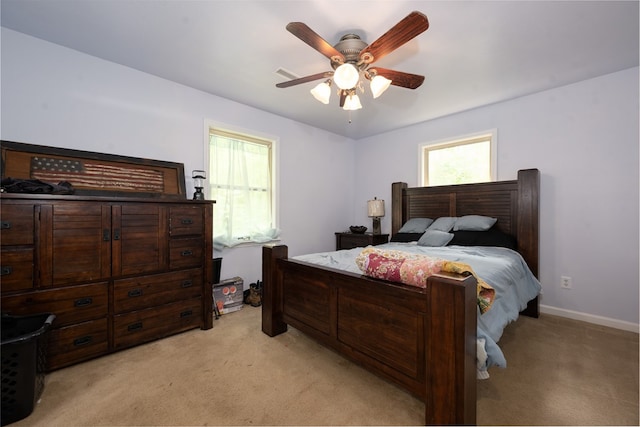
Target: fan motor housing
[350,45]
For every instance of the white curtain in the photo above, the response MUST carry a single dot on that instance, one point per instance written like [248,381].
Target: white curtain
[240,183]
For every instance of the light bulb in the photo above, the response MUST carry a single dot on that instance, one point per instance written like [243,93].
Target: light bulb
[346,76]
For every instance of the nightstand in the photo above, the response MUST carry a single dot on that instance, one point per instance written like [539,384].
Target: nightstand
[346,240]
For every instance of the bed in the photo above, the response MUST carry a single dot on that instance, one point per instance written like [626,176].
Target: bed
[422,339]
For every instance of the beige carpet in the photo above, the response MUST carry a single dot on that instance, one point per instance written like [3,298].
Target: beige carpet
[561,372]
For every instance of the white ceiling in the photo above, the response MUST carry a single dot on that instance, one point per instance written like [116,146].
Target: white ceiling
[473,54]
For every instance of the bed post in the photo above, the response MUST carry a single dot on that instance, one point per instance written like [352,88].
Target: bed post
[450,331]
[272,323]
[529,216]
[397,206]
[528,227]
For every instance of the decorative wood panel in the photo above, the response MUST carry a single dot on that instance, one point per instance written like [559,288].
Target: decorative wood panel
[93,173]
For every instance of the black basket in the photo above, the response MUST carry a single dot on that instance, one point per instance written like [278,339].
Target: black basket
[23,363]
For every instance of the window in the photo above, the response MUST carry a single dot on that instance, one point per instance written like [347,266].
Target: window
[460,161]
[241,181]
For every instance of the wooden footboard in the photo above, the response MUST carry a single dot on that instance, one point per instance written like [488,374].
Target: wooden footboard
[424,340]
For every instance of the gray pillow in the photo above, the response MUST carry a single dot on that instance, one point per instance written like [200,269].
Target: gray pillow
[444,223]
[415,225]
[474,223]
[435,238]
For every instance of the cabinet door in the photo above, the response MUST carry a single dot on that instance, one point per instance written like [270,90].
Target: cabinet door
[75,243]
[140,239]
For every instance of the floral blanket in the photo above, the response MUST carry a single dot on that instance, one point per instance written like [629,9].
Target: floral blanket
[414,269]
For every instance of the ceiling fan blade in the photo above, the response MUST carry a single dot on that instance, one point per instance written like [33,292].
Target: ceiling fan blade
[307,35]
[412,25]
[306,79]
[399,78]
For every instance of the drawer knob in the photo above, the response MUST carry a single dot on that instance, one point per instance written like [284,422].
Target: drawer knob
[5,225]
[186,221]
[187,283]
[82,341]
[134,326]
[186,313]
[134,293]
[83,302]
[186,253]
[5,270]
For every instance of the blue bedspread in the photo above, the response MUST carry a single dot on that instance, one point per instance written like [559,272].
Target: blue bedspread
[504,269]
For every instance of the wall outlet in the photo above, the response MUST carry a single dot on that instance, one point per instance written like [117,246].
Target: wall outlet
[565,282]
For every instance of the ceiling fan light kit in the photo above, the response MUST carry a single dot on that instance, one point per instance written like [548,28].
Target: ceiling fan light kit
[378,85]
[352,102]
[351,58]
[346,76]
[322,92]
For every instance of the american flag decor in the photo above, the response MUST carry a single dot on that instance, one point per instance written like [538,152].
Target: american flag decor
[86,174]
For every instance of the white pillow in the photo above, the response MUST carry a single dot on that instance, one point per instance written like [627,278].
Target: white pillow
[444,223]
[416,225]
[474,223]
[435,238]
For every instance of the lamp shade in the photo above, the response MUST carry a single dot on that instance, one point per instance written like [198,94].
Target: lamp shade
[375,208]
[346,76]
[322,92]
[378,85]
[352,103]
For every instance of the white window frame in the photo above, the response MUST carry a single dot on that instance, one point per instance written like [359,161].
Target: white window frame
[460,140]
[251,134]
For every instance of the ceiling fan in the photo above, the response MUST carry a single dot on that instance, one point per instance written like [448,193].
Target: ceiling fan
[352,57]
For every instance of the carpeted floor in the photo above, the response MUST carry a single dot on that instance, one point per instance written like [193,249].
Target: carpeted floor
[561,372]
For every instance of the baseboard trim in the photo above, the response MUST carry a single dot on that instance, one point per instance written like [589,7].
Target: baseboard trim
[591,318]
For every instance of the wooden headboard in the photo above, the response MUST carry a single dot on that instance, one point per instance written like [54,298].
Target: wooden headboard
[514,203]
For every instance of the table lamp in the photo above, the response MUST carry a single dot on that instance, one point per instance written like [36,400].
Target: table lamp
[375,209]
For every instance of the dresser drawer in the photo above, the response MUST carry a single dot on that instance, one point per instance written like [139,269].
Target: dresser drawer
[185,253]
[185,221]
[138,293]
[350,242]
[75,343]
[72,304]
[16,224]
[16,268]
[146,325]
[354,240]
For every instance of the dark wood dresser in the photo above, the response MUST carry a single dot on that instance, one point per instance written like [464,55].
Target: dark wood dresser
[116,272]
